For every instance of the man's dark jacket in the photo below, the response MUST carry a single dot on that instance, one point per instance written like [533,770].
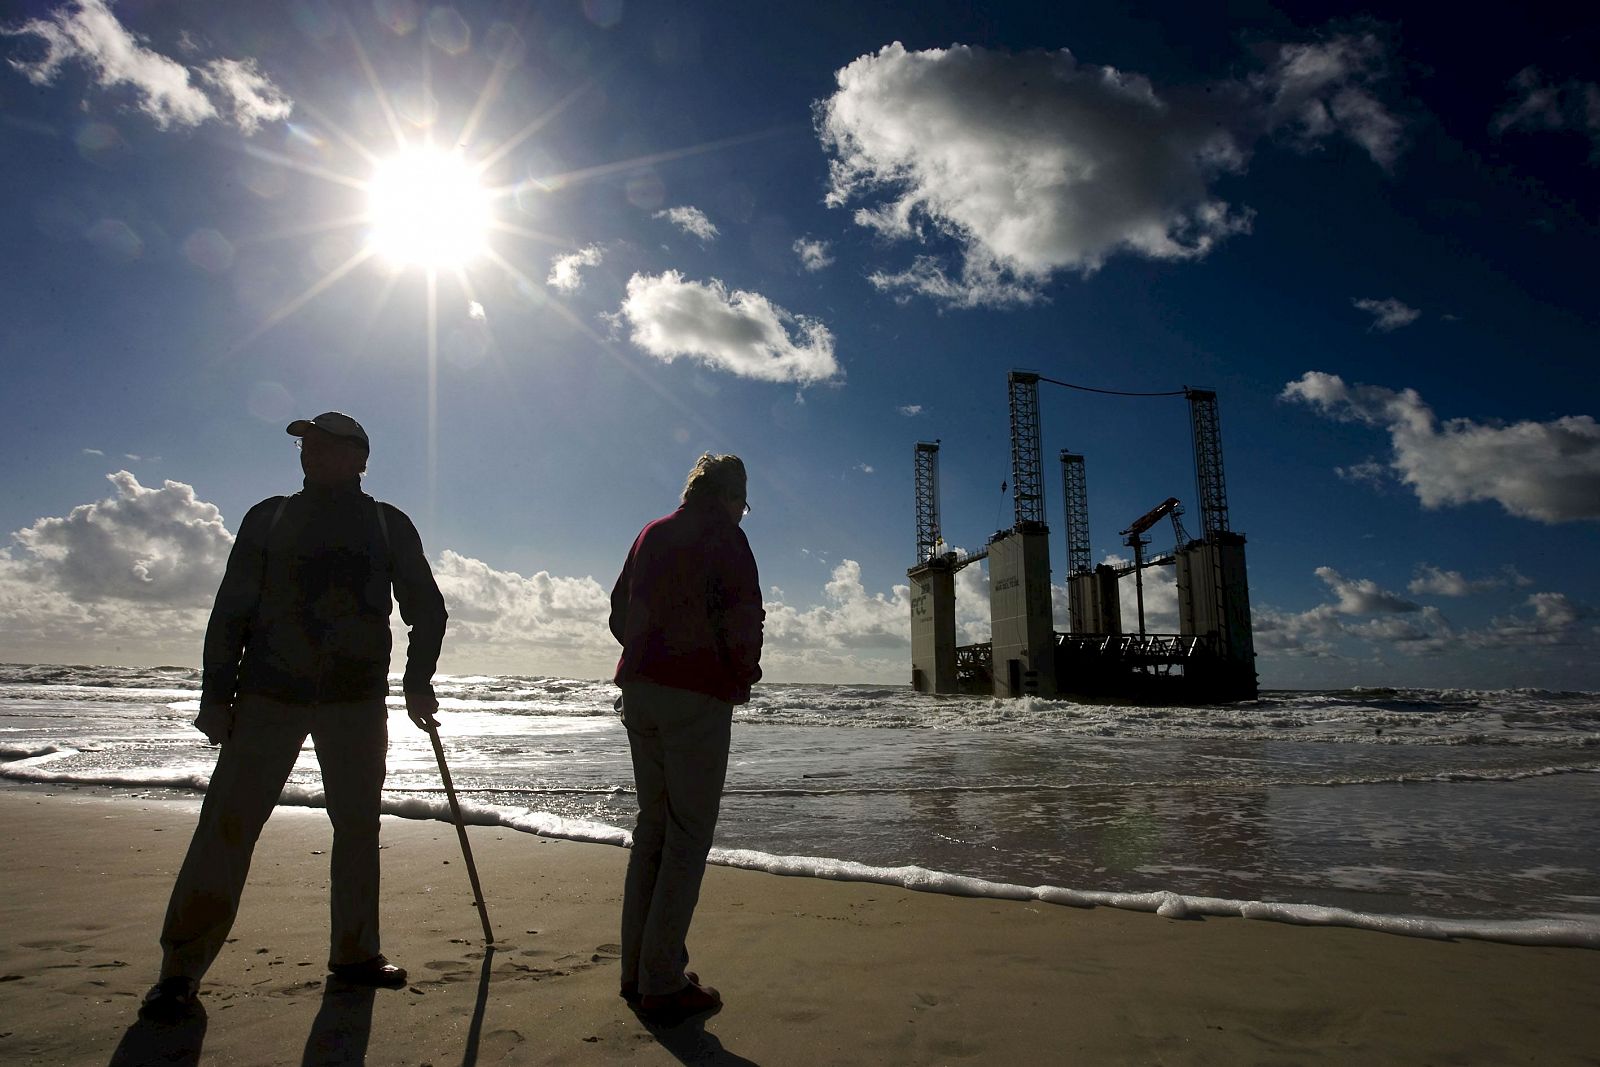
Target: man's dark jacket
[687,606]
[303,612]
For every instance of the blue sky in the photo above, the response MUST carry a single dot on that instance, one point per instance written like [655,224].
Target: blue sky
[812,235]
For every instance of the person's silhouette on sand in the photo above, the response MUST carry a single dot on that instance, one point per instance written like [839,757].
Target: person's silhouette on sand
[298,644]
[687,612]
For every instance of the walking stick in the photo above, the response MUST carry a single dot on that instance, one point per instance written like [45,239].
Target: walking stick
[461,832]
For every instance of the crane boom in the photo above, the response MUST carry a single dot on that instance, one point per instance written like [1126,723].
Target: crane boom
[1151,517]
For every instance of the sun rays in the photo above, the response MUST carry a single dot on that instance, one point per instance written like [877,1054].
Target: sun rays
[422,201]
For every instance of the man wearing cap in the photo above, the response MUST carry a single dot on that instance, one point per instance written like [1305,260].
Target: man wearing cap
[298,645]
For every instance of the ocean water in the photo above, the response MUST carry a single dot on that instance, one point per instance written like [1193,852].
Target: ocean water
[1428,812]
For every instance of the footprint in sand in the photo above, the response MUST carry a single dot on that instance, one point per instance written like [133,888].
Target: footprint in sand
[450,970]
[498,1044]
[64,946]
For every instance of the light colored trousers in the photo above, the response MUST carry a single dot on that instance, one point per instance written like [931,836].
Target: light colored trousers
[679,742]
[352,741]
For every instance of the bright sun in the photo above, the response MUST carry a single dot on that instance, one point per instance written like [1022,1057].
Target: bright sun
[427,209]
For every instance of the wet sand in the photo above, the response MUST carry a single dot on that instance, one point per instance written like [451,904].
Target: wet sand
[813,972]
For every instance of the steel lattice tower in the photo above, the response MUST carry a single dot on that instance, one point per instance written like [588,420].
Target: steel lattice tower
[1027,458]
[1074,490]
[1209,485]
[927,479]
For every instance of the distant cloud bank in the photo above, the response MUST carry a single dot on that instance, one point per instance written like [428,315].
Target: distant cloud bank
[1546,471]
[1435,581]
[1386,623]
[87,31]
[739,332]
[132,576]
[1034,163]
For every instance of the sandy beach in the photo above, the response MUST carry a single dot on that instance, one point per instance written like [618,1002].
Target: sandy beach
[813,972]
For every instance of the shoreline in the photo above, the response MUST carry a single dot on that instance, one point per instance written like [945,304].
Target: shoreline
[813,971]
[1171,904]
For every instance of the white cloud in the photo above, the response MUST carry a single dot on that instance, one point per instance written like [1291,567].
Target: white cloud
[851,618]
[981,284]
[691,220]
[475,312]
[1438,582]
[909,410]
[1424,633]
[1543,105]
[1365,623]
[857,635]
[526,623]
[154,546]
[1546,619]
[1556,610]
[740,332]
[1035,163]
[1325,88]
[1547,471]
[134,576]
[972,603]
[566,272]
[252,97]
[864,468]
[1160,598]
[1309,634]
[93,452]
[1538,107]
[1369,471]
[87,31]
[1388,314]
[814,255]
[1363,596]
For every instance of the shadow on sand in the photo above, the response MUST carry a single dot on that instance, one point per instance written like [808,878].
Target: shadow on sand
[342,1028]
[470,1056]
[177,1043]
[692,1043]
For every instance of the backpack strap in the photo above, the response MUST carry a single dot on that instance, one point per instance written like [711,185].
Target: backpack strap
[388,546]
[266,541]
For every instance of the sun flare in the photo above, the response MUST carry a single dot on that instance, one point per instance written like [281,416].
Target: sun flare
[427,208]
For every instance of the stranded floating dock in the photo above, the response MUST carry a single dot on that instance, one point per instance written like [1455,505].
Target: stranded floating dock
[1210,659]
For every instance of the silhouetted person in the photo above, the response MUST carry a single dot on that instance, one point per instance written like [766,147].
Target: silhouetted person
[299,644]
[687,611]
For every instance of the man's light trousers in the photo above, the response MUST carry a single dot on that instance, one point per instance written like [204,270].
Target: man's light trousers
[351,740]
